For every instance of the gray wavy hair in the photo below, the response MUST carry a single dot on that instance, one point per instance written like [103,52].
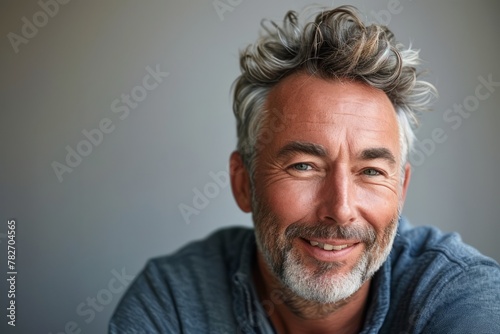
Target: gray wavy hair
[336,45]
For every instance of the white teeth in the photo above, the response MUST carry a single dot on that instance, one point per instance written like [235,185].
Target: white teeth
[327,247]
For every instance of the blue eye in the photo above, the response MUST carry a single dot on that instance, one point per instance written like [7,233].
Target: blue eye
[371,172]
[301,166]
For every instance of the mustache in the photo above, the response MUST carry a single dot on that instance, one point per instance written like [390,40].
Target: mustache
[320,230]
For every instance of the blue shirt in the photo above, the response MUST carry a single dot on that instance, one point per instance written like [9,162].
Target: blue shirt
[431,283]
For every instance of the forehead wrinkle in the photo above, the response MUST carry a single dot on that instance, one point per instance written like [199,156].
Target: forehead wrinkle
[357,127]
[328,116]
[353,118]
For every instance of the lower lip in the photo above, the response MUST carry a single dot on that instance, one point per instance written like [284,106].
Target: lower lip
[328,256]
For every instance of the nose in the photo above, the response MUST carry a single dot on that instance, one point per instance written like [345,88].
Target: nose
[336,197]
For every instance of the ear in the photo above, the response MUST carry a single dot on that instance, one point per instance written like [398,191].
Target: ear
[240,182]
[406,182]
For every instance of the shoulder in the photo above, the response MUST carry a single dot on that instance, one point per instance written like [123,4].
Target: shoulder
[426,247]
[187,290]
[218,253]
[441,278]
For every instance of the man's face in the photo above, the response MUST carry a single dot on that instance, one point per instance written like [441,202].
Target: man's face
[327,187]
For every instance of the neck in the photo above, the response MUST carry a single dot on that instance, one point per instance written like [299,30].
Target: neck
[290,313]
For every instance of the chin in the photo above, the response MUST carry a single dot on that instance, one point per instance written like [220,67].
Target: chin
[326,283]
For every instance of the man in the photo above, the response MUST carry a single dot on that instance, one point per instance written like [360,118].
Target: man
[325,117]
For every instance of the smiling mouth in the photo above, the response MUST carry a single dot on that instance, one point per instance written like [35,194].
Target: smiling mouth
[328,247]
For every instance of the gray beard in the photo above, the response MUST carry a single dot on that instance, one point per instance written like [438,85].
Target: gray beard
[321,284]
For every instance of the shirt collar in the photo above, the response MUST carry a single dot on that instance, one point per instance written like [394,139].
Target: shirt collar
[380,289]
[248,310]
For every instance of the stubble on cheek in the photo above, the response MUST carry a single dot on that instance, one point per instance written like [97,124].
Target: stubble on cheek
[271,241]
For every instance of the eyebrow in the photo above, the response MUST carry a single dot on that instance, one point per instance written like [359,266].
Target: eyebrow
[295,147]
[378,153]
[302,147]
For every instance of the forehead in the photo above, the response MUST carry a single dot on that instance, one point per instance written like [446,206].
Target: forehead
[316,109]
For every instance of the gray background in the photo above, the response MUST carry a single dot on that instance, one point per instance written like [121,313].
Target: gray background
[120,206]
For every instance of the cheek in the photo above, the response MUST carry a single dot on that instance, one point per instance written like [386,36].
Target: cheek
[290,201]
[378,206]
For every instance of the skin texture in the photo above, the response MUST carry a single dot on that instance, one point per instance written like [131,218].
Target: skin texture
[331,174]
